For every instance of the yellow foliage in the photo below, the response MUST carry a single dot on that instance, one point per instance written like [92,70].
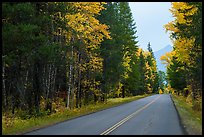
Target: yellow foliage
[181,11]
[147,66]
[160,91]
[139,51]
[126,64]
[178,7]
[183,47]
[96,63]
[154,65]
[170,27]
[119,89]
[166,58]
[149,88]
[85,24]
[146,53]
[91,8]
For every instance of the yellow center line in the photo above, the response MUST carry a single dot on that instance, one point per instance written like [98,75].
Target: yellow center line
[106,132]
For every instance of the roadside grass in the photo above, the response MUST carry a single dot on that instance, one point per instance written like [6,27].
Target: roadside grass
[14,125]
[192,120]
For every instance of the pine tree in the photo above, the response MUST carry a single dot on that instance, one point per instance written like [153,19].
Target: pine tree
[151,71]
[119,53]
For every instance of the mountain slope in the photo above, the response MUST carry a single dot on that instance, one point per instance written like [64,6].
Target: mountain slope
[159,53]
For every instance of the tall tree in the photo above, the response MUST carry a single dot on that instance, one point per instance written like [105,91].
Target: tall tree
[185,30]
[119,52]
[151,72]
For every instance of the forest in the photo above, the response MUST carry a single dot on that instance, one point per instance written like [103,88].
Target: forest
[66,55]
[184,63]
[79,53]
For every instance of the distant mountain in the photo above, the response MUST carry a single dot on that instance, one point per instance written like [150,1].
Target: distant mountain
[159,53]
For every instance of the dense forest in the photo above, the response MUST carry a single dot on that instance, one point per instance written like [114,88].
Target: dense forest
[67,55]
[184,63]
[70,54]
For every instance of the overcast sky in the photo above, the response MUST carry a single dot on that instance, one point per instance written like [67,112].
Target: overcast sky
[150,17]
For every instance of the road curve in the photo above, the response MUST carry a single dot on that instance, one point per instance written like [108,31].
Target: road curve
[152,115]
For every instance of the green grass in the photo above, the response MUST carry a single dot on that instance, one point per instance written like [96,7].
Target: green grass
[192,120]
[20,126]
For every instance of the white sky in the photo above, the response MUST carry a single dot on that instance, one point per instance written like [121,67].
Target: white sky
[150,17]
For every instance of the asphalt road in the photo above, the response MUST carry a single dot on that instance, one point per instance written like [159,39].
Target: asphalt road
[153,115]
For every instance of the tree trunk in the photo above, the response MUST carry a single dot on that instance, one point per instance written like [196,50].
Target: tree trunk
[48,85]
[79,81]
[95,98]
[4,97]
[36,85]
[73,83]
[80,94]
[70,78]
[123,91]
[104,79]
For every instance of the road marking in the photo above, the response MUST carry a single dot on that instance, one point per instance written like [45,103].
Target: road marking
[109,130]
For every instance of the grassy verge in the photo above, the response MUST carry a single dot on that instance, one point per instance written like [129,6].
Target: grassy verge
[192,120]
[20,126]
